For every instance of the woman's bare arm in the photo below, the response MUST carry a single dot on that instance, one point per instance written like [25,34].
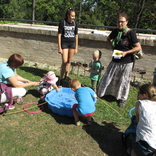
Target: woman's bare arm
[13,80]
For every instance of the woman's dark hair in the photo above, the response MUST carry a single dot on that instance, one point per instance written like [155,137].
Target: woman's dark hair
[69,10]
[123,14]
[149,90]
[15,61]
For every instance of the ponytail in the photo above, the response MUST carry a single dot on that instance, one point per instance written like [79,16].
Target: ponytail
[69,10]
[149,90]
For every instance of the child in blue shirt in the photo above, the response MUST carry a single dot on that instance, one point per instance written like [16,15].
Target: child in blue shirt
[86,98]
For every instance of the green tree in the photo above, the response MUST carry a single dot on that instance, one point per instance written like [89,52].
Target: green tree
[94,12]
[52,10]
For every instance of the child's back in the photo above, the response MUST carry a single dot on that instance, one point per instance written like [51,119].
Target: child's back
[86,100]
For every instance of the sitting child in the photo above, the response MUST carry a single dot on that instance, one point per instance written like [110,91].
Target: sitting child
[47,83]
[86,98]
[95,69]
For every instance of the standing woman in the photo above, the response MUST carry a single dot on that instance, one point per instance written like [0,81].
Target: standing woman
[116,80]
[67,41]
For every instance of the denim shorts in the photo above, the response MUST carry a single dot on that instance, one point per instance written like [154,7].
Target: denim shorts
[67,45]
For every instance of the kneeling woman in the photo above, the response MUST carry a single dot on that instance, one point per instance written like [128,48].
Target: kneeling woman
[11,83]
[145,139]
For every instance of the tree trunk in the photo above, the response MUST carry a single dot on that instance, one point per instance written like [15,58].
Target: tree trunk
[140,12]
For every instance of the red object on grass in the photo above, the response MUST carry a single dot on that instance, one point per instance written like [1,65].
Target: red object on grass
[24,107]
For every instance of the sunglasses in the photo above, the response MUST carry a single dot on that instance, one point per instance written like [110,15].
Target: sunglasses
[121,21]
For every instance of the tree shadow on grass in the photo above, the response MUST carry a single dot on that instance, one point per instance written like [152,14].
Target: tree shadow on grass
[108,136]
[34,71]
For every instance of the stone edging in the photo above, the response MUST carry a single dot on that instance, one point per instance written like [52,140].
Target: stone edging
[145,39]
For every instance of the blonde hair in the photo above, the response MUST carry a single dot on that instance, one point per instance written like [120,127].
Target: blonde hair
[149,90]
[74,83]
[97,53]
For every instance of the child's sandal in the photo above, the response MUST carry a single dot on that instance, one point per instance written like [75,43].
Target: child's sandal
[77,123]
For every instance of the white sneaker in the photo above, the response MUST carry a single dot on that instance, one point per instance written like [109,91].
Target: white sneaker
[12,107]
[6,104]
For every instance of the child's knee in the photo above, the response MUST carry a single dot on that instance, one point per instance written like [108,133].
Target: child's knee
[23,91]
[19,92]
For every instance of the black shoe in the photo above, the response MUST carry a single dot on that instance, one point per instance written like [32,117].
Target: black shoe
[122,103]
[67,78]
[60,82]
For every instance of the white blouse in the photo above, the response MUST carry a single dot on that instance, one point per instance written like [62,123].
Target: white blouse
[146,128]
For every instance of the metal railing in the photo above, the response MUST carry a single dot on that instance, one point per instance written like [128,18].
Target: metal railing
[80,25]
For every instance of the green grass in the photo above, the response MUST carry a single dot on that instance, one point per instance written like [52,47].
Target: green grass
[48,134]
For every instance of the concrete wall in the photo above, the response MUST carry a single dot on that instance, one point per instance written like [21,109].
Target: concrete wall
[37,43]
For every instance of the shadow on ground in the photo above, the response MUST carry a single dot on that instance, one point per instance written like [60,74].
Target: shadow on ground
[58,118]
[33,92]
[34,71]
[108,136]
[109,98]
[63,119]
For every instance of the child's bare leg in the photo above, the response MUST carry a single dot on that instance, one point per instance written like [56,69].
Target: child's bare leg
[64,63]
[76,117]
[70,56]
[133,153]
[89,120]
[62,70]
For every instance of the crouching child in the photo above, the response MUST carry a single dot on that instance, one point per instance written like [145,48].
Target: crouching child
[86,98]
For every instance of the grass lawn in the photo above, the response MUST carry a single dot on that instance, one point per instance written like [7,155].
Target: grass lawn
[49,134]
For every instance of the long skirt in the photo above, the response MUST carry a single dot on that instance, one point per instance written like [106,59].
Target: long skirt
[116,81]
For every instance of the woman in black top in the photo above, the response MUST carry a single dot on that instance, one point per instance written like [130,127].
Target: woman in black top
[67,41]
[116,80]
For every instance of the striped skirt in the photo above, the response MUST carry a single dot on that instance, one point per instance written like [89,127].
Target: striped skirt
[116,81]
